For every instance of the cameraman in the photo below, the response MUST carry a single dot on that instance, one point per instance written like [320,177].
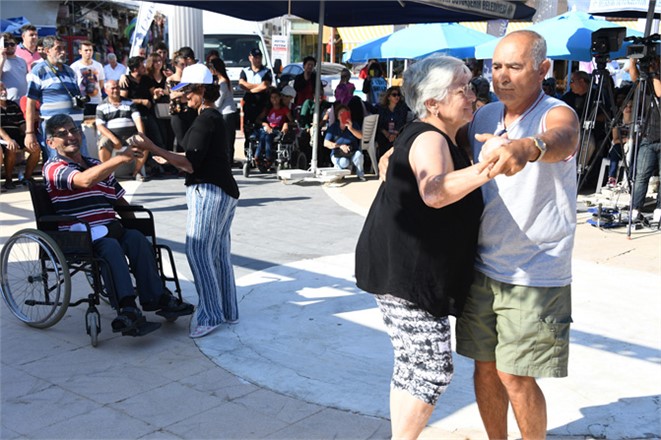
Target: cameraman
[54,85]
[649,156]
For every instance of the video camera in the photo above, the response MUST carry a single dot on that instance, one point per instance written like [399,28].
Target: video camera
[607,40]
[79,101]
[643,47]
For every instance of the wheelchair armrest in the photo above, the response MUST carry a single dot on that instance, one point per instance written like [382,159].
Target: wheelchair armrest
[129,208]
[53,218]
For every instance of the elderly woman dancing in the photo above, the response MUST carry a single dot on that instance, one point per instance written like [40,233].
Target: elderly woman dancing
[212,196]
[417,247]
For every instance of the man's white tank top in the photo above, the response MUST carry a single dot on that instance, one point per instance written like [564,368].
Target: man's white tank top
[527,230]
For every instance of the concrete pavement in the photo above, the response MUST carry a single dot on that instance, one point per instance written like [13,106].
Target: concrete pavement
[309,359]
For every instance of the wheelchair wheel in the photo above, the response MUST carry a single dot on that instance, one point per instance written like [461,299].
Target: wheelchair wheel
[246,168]
[301,162]
[92,322]
[35,279]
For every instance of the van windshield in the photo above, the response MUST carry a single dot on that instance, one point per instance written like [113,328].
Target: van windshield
[233,49]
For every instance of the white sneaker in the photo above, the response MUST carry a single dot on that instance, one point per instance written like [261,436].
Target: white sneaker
[657,215]
[202,330]
[634,214]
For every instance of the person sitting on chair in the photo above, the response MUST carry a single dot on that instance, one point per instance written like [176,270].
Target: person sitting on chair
[85,188]
[343,138]
[12,133]
[118,119]
[275,120]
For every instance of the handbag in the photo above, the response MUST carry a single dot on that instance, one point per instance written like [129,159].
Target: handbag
[162,110]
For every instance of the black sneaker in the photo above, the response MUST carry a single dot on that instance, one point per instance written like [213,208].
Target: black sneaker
[130,322]
[170,307]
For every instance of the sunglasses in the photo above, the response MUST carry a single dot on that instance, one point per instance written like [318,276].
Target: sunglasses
[396,95]
[62,134]
[9,44]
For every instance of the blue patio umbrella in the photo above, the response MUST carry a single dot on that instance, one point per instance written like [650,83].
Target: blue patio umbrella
[422,40]
[366,51]
[13,25]
[568,37]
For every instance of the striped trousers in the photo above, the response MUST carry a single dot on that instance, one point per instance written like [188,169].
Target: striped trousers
[208,246]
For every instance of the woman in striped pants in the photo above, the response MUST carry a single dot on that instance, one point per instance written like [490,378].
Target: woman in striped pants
[212,195]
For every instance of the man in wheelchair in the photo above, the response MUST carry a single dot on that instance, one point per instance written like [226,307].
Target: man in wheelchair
[85,188]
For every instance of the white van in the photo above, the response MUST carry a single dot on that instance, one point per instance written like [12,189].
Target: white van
[233,38]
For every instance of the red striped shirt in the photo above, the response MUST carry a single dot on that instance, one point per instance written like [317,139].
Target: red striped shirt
[93,205]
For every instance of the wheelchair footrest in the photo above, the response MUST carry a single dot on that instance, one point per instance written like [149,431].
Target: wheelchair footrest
[143,329]
[130,322]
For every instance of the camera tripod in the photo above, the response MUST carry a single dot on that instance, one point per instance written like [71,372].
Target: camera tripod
[593,108]
[644,103]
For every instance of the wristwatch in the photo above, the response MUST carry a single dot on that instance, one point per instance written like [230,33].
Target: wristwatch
[541,146]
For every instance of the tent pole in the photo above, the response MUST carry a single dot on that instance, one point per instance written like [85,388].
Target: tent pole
[317,91]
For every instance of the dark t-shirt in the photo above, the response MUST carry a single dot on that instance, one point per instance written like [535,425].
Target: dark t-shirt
[206,149]
[304,88]
[254,103]
[342,137]
[139,89]
[415,252]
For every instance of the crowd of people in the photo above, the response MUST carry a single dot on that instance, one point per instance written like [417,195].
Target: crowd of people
[465,170]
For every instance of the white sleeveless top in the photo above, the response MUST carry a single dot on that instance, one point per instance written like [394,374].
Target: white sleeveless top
[527,231]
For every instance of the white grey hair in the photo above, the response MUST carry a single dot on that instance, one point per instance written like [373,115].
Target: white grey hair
[431,78]
[112,56]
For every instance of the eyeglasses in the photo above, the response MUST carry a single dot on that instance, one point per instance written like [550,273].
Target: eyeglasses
[9,44]
[468,89]
[62,134]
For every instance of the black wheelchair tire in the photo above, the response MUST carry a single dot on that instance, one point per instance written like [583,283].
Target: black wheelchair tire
[29,293]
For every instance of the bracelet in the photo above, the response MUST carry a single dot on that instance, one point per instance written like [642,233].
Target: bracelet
[29,132]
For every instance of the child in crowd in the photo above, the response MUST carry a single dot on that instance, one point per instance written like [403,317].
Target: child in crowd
[275,120]
[344,90]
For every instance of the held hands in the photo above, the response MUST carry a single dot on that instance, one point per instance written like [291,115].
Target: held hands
[508,158]
[130,153]
[491,145]
[141,142]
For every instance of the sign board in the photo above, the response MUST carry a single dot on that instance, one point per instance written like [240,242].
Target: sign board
[110,22]
[497,28]
[605,6]
[142,25]
[280,48]
[485,8]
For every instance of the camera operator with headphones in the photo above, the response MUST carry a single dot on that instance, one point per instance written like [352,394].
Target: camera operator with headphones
[649,149]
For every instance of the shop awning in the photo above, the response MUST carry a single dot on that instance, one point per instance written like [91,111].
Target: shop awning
[355,36]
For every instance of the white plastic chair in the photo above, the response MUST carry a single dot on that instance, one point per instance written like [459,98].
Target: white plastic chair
[368,142]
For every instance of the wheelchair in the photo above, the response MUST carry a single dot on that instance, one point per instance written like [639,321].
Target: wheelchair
[36,265]
[286,151]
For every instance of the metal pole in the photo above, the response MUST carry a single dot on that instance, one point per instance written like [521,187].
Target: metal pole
[317,90]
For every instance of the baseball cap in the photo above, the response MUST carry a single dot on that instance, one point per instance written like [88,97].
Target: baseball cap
[256,52]
[195,74]
[288,91]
